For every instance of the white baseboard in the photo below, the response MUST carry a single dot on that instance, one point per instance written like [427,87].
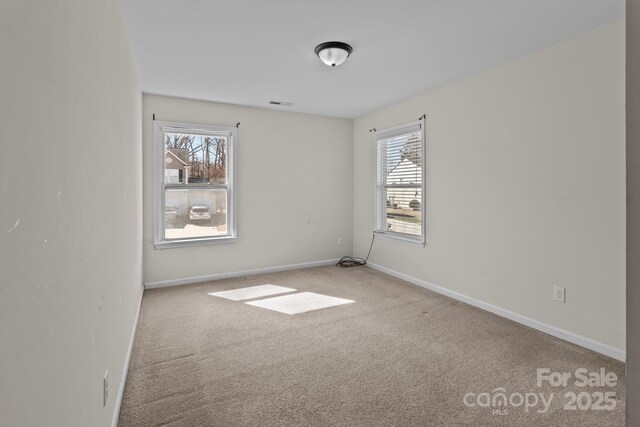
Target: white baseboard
[601,348]
[125,370]
[218,276]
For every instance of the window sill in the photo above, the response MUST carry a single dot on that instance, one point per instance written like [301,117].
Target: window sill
[400,238]
[168,244]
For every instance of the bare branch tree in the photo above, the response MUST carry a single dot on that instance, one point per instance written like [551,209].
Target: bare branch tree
[207,155]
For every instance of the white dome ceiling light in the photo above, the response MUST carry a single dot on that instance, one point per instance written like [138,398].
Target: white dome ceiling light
[333,53]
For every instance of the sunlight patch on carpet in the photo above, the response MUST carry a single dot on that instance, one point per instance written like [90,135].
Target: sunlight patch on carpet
[299,303]
[252,292]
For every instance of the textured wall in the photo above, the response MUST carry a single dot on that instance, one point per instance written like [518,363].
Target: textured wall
[524,186]
[71,216]
[633,213]
[294,190]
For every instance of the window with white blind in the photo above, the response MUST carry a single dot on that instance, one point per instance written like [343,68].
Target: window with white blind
[400,182]
[194,184]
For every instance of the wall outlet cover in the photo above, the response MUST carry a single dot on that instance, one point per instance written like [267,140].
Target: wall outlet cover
[559,294]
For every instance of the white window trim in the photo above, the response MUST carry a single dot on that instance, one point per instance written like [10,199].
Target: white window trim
[380,205]
[159,129]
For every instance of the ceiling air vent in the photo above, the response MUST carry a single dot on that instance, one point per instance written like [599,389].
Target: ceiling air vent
[281,103]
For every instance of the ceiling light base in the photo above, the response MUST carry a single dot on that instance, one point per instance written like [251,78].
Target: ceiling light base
[333,53]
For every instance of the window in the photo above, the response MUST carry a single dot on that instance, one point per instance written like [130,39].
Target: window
[194,184]
[400,182]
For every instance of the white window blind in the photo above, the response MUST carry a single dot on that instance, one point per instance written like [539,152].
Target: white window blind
[400,181]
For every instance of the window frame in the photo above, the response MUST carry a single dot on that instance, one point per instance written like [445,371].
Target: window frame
[160,187]
[380,204]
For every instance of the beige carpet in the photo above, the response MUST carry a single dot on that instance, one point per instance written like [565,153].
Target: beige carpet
[400,355]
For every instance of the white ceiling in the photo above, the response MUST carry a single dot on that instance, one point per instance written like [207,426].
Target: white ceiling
[249,52]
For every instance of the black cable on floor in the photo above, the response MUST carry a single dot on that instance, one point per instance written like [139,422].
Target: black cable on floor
[354,261]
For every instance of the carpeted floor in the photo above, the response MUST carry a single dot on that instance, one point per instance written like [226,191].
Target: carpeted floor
[400,355]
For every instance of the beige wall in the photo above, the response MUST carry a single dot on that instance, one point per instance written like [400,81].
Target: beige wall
[70,222]
[524,186]
[294,190]
[633,213]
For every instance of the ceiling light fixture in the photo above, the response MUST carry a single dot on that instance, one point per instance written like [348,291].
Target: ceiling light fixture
[333,53]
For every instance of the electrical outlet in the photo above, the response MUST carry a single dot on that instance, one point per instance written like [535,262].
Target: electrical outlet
[105,388]
[339,241]
[559,294]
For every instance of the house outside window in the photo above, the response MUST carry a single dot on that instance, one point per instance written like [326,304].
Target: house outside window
[194,184]
[400,195]
[176,165]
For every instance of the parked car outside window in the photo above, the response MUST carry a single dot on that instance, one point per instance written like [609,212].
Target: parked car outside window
[199,213]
